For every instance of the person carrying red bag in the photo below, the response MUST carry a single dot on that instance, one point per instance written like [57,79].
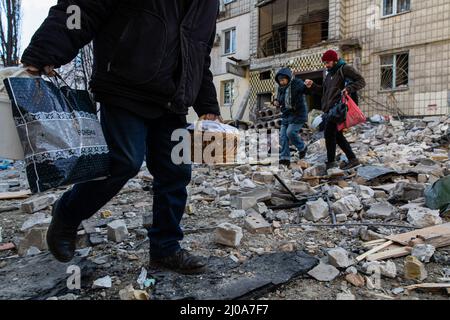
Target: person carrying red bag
[336,84]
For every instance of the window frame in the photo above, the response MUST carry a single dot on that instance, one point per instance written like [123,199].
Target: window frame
[224,84]
[394,9]
[394,72]
[232,31]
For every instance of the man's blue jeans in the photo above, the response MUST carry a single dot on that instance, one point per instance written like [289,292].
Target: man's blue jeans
[130,139]
[290,132]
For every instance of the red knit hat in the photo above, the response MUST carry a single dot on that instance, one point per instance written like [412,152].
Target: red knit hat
[330,55]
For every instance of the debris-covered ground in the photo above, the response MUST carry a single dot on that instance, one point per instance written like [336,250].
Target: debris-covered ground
[341,237]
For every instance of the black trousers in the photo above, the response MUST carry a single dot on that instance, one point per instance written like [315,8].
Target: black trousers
[334,137]
[130,139]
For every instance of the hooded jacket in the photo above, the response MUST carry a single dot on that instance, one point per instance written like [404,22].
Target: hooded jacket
[154,52]
[299,110]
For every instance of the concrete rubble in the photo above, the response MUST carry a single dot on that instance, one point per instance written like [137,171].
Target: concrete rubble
[241,213]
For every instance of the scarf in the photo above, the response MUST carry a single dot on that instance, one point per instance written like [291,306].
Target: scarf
[336,68]
[285,96]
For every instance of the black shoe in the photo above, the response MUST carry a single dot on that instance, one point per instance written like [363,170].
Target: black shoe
[302,154]
[182,262]
[61,238]
[351,164]
[286,163]
[331,165]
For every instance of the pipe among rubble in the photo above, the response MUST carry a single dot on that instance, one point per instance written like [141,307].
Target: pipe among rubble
[272,124]
[278,123]
[269,113]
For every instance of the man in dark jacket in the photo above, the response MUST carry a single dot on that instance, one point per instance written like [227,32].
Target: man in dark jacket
[291,100]
[341,79]
[152,61]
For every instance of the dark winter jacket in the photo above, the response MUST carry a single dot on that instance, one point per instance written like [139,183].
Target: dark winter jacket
[154,52]
[299,111]
[334,83]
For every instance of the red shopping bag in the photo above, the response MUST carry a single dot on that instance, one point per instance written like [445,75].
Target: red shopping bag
[354,115]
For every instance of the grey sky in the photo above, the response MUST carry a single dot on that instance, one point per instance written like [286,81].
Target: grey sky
[34,12]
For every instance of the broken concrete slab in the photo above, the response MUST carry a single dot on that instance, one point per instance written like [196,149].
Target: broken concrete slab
[255,223]
[347,205]
[37,219]
[228,234]
[39,277]
[263,177]
[117,231]
[236,214]
[339,257]
[35,237]
[316,210]
[380,210]
[324,272]
[102,283]
[423,217]
[423,252]
[38,203]
[228,280]
[406,191]
[247,200]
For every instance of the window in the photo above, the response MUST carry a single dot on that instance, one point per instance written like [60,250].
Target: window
[393,7]
[228,92]
[289,25]
[394,71]
[265,75]
[264,100]
[230,41]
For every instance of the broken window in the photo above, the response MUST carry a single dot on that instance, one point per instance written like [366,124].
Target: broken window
[288,25]
[265,75]
[393,7]
[228,92]
[264,100]
[394,71]
[230,41]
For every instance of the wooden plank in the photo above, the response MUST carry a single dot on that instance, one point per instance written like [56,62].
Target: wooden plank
[374,250]
[393,252]
[428,286]
[373,243]
[7,246]
[442,230]
[15,195]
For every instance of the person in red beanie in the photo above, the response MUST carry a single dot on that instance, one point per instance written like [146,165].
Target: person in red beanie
[340,78]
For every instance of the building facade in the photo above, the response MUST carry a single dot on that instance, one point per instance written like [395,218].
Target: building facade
[402,48]
[230,59]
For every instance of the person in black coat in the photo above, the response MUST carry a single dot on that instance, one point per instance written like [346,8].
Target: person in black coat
[291,100]
[151,64]
[341,79]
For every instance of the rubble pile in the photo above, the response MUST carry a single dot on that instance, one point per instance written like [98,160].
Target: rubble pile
[371,228]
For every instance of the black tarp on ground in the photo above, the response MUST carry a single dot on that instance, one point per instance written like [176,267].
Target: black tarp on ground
[227,280]
[37,277]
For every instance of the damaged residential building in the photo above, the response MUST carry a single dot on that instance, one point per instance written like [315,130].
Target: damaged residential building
[401,47]
[230,59]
